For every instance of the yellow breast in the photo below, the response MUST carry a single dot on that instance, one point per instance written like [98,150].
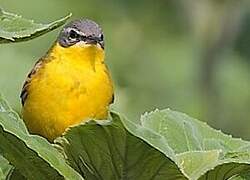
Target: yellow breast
[73,86]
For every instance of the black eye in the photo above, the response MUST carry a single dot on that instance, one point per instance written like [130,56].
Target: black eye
[73,34]
[101,37]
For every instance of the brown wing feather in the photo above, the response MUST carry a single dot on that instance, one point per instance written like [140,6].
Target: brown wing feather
[24,92]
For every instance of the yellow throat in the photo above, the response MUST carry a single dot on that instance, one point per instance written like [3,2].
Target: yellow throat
[69,86]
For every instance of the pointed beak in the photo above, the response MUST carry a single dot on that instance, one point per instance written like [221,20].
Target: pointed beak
[94,41]
[91,40]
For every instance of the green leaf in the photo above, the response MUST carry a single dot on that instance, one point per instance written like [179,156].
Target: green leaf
[200,151]
[243,176]
[14,28]
[106,150]
[32,155]
[14,174]
[192,149]
[5,167]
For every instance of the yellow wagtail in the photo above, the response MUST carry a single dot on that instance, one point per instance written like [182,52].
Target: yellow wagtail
[70,84]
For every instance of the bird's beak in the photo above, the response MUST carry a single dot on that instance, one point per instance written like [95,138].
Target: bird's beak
[91,40]
[94,41]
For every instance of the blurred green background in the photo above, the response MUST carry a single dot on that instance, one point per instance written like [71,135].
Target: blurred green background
[189,55]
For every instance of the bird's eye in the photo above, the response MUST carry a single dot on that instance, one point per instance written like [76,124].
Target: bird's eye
[73,34]
[101,37]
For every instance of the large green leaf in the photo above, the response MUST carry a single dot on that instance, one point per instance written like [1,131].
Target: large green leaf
[106,150]
[14,28]
[33,156]
[193,150]
[200,151]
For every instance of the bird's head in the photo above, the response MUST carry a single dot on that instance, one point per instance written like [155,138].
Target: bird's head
[82,32]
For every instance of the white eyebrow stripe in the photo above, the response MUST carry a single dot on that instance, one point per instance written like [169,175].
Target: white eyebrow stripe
[78,32]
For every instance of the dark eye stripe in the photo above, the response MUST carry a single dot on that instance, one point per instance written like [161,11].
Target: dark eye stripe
[73,34]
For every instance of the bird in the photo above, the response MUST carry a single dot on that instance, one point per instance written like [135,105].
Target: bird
[70,84]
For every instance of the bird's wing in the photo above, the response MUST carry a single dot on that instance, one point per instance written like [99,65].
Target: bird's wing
[24,92]
[41,62]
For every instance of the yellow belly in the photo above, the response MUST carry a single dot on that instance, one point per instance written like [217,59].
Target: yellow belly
[66,92]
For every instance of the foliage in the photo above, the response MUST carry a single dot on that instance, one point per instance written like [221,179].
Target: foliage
[107,150]
[14,28]
[164,144]
[5,167]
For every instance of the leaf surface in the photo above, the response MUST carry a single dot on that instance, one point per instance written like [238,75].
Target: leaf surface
[199,151]
[14,28]
[5,167]
[106,150]
[164,144]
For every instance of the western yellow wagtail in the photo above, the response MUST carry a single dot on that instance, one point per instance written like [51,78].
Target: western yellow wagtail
[70,84]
